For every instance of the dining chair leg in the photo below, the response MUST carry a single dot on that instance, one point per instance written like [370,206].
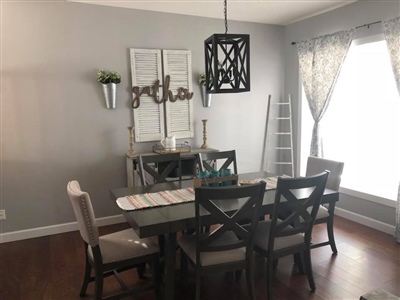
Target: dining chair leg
[270,276]
[98,285]
[198,282]
[157,277]
[331,236]
[250,280]
[161,244]
[230,276]
[140,270]
[275,265]
[86,278]
[299,261]
[184,266]
[308,267]
[238,274]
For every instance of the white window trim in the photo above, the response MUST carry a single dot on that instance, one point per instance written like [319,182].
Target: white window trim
[368,197]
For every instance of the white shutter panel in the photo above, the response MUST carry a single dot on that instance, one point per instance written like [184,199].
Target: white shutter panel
[179,115]
[148,118]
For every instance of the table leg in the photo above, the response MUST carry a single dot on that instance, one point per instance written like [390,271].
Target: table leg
[169,267]
[130,172]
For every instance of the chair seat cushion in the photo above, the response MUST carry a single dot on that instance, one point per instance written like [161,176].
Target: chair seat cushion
[379,294]
[322,212]
[188,245]
[124,245]
[262,237]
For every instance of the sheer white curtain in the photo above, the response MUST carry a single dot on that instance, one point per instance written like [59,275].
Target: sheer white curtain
[320,61]
[391,30]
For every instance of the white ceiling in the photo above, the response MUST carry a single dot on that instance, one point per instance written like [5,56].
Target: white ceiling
[278,12]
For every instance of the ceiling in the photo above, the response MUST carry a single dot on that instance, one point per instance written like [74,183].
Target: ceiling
[278,12]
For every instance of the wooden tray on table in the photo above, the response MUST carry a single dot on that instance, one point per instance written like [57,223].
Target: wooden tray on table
[182,148]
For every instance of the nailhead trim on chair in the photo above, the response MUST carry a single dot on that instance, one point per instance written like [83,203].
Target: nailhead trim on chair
[87,220]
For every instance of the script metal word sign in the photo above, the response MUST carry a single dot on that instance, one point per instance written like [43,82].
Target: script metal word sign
[181,95]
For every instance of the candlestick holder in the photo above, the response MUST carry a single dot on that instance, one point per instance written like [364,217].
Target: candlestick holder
[204,146]
[131,151]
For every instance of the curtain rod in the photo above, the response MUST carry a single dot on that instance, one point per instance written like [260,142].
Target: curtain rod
[365,25]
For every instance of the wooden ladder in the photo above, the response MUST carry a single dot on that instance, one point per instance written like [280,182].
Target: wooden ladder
[279,137]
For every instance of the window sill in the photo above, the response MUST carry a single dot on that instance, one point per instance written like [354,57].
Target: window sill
[368,197]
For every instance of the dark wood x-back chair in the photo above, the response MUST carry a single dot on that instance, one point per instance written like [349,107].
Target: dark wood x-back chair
[160,167]
[230,246]
[227,158]
[291,234]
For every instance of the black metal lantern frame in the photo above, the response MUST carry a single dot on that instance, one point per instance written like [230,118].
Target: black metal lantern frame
[227,59]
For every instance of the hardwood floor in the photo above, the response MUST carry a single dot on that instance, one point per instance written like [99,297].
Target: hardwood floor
[52,268]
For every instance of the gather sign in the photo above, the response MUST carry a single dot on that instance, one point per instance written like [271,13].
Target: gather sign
[182,94]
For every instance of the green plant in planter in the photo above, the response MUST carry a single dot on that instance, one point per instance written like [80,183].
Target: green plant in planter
[202,79]
[115,77]
[104,77]
[206,97]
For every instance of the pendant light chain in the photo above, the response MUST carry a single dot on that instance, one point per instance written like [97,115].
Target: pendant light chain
[225,15]
[226,31]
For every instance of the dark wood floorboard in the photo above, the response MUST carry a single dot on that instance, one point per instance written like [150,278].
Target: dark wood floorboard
[52,268]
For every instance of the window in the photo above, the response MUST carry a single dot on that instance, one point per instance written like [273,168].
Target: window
[362,123]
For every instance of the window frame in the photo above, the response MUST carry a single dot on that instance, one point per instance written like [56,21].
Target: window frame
[302,158]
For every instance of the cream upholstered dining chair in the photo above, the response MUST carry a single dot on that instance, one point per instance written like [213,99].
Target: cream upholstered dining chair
[316,165]
[111,253]
[230,246]
[277,237]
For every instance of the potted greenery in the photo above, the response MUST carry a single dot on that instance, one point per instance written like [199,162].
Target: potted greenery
[202,79]
[109,81]
[206,98]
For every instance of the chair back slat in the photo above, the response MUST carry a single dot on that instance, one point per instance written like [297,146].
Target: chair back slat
[159,167]
[84,213]
[226,158]
[295,195]
[216,202]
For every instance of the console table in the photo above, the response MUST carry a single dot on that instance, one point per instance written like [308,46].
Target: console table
[189,164]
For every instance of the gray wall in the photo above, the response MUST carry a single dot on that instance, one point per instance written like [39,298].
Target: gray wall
[55,126]
[353,15]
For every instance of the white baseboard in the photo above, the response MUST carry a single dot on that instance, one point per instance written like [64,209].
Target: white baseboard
[54,229]
[375,224]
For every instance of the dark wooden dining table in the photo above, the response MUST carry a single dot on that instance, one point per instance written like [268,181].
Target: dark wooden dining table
[171,219]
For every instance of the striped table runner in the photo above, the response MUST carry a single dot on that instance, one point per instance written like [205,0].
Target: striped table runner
[140,201]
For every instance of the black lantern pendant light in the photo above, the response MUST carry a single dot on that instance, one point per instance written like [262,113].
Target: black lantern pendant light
[227,61]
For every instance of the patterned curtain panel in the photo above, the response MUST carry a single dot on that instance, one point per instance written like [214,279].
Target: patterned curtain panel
[391,29]
[320,61]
